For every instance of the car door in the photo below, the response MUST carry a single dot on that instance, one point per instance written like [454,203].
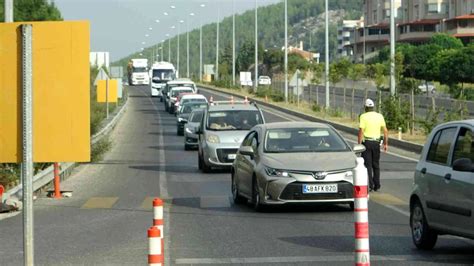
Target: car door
[248,164]
[240,167]
[460,187]
[434,173]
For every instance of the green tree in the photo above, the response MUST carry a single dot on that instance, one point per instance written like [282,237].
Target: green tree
[296,61]
[32,10]
[446,41]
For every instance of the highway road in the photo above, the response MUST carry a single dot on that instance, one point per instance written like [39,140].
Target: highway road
[105,221]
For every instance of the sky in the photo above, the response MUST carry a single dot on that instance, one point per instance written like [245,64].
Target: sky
[120,26]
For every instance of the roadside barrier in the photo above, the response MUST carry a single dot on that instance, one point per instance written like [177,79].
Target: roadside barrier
[361,214]
[155,247]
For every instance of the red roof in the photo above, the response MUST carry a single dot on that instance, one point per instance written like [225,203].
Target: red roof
[380,25]
[469,16]
[422,22]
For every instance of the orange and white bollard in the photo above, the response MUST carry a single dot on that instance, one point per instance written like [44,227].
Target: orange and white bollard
[155,247]
[246,99]
[2,189]
[158,213]
[361,214]
[211,99]
[57,189]
[232,99]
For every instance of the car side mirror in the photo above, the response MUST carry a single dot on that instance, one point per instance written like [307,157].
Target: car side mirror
[358,148]
[463,165]
[247,151]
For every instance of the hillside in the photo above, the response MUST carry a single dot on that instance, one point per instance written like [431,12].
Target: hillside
[309,14]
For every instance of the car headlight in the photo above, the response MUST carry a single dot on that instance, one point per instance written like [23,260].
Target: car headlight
[213,138]
[188,131]
[276,172]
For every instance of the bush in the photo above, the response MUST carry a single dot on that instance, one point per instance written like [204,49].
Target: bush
[316,108]
[336,112]
[430,121]
[100,148]
[396,113]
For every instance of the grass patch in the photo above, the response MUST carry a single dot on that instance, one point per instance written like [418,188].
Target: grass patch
[100,149]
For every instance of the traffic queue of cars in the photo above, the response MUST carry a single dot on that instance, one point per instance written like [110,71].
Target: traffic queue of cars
[305,162]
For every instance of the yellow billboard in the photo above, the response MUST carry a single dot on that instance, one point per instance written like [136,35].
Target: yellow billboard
[102,91]
[61,92]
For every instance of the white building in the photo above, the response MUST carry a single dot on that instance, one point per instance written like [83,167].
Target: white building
[344,36]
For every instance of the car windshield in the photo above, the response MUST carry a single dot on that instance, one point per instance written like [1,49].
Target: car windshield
[139,69]
[189,107]
[188,85]
[200,100]
[163,74]
[196,116]
[304,140]
[233,120]
[175,93]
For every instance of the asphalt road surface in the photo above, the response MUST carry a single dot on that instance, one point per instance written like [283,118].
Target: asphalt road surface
[105,221]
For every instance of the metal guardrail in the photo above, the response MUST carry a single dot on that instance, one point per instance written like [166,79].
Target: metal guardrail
[401,144]
[45,177]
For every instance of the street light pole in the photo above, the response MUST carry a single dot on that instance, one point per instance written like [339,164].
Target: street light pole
[286,51]
[327,56]
[392,48]
[217,46]
[200,45]
[177,56]
[233,42]
[8,7]
[256,47]
[187,46]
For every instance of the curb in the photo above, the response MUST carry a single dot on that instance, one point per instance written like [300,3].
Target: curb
[45,177]
[401,144]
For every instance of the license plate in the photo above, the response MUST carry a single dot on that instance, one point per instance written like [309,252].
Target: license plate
[329,188]
[231,156]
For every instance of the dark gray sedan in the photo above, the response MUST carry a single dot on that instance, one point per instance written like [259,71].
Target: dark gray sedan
[294,162]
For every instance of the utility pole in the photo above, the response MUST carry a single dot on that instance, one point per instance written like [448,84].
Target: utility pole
[327,56]
[392,48]
[233,42]
[286,51]
[255,84]
[200,45]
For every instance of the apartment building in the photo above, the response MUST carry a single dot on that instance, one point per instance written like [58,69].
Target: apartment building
[417,21]
[344,32]
[374,34]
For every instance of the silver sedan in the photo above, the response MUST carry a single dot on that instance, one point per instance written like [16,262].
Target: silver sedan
[294,162]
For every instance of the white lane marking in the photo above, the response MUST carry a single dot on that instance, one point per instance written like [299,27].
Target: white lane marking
[321,259]
[397,209]
[163,183]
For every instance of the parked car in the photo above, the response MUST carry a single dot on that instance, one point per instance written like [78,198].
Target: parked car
[223,128]
[173,97]
[190,136]
[294,162]
[189,97]
[442,200]
[184,113]
[427,87]
[264,80]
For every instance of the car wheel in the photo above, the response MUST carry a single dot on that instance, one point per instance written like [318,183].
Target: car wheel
[423,237]
[256,200]
[235,193]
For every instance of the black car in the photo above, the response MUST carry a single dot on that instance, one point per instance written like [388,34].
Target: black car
[183,114]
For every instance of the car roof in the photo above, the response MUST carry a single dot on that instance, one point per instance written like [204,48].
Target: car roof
[295,124]
[194,102]
[181,88]
[235,106]
[467,121]
[180,81]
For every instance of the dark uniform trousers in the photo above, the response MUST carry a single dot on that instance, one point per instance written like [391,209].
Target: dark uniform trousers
[371,157]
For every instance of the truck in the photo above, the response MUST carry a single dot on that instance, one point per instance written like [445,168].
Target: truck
[160,73]
[138,72]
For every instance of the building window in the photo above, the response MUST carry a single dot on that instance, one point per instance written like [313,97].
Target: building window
[432,8]
[462,23]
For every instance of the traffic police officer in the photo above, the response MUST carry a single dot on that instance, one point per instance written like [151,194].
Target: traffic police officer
[371,124]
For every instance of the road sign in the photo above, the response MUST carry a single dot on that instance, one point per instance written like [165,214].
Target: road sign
[61,93]
[102,75]
[102,91]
